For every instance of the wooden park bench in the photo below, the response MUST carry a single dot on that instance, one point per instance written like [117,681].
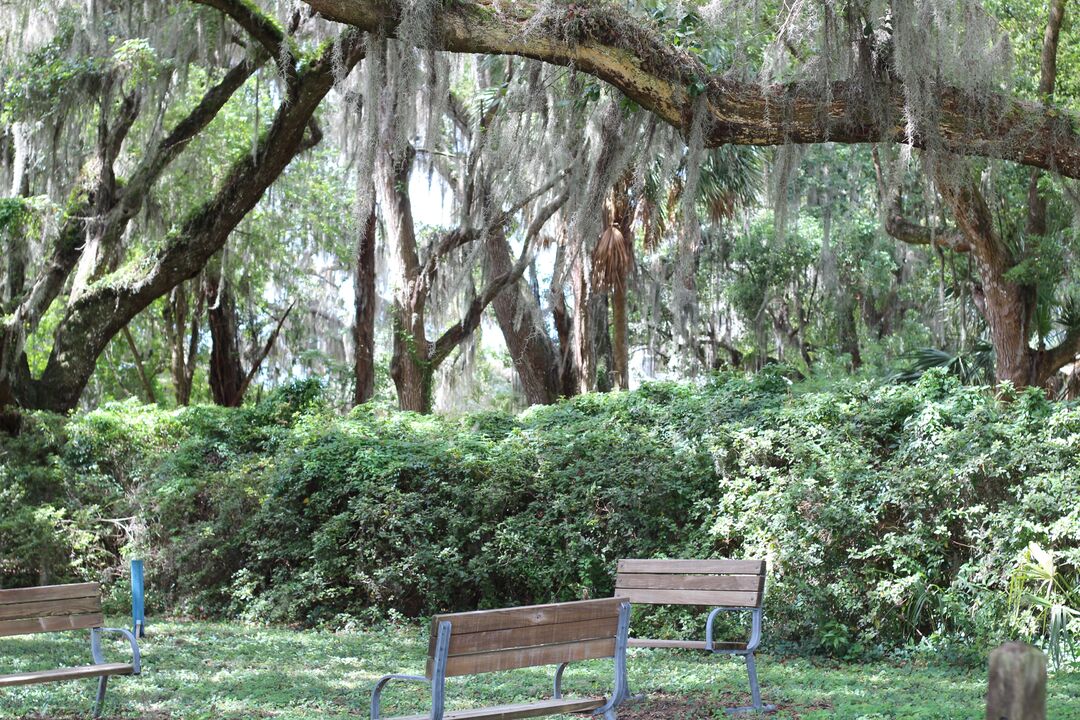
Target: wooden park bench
[724,585]
[57,608]
[471,643]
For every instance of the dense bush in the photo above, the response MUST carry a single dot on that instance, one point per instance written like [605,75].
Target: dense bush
[889,513]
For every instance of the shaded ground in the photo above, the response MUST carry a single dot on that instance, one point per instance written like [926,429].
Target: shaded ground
[197,671]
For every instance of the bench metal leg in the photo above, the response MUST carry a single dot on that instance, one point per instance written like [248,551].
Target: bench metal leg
[610,715]
[755,690]
[103,683]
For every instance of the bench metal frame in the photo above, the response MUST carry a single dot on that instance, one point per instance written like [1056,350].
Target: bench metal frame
[643,582]
[747,653]
[99,659]
[438,674]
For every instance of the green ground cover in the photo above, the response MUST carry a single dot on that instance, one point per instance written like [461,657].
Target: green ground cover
[218,670]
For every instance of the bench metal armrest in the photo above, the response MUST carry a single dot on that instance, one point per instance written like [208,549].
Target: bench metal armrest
[755,627]
[376,694]
[99,656]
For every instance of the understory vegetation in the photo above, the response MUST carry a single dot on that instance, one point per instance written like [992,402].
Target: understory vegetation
[892,516]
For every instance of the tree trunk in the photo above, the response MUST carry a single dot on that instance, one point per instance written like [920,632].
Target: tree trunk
[364,328]
[848,329]
[183,344]
[603,352]
[1008,307]
[582,354]
[226,369]
[620,342]
[410,369]
[535,359]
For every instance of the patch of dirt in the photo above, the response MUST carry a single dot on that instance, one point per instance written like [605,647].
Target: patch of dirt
[659,706]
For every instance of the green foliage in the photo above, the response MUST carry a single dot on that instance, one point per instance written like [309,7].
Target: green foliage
[890,514]
[1048,599]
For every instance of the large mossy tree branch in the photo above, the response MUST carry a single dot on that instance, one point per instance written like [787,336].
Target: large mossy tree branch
[109,304]
[634,58]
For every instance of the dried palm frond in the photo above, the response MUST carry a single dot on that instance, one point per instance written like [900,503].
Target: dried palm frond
[613,259]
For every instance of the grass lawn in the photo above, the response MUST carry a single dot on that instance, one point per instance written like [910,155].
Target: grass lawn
[213,670]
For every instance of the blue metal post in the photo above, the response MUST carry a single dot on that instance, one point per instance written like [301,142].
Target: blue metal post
[138,604]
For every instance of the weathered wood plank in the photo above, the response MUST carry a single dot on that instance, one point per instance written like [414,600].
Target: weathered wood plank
[529,657]
[49,592]
[48,608]
[1016,683]
[465,643]
[529,616]
[724,567]
[712,598]
[30,626]
[74,673]
[510,712]
[745,583]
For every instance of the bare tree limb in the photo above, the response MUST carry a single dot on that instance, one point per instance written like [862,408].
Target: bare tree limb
[270,341]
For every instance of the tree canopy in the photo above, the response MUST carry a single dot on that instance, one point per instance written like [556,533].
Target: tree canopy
[478,202]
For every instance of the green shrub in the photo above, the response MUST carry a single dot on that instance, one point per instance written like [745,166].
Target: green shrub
[890,515]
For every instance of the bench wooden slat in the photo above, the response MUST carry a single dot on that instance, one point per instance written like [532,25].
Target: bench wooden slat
[466,643]
[530,656]
[50,592]
[723,567]
[712,598]
[29,626]
[529,616]
[49,608]
[509,712]
[745,583]
[73,673]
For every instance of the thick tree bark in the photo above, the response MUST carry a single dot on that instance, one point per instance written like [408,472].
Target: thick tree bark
[569,372]
[364,323]
[582,353]
[535,358]
[618,49]
[226,371]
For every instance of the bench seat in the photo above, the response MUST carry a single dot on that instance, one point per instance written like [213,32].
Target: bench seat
[686,645]
[509,712]
[484,641]
[58,608]
[69,673]
[736,585]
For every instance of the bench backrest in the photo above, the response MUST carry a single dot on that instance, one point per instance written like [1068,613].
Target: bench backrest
[490,640]
[50,608]
[716,583]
